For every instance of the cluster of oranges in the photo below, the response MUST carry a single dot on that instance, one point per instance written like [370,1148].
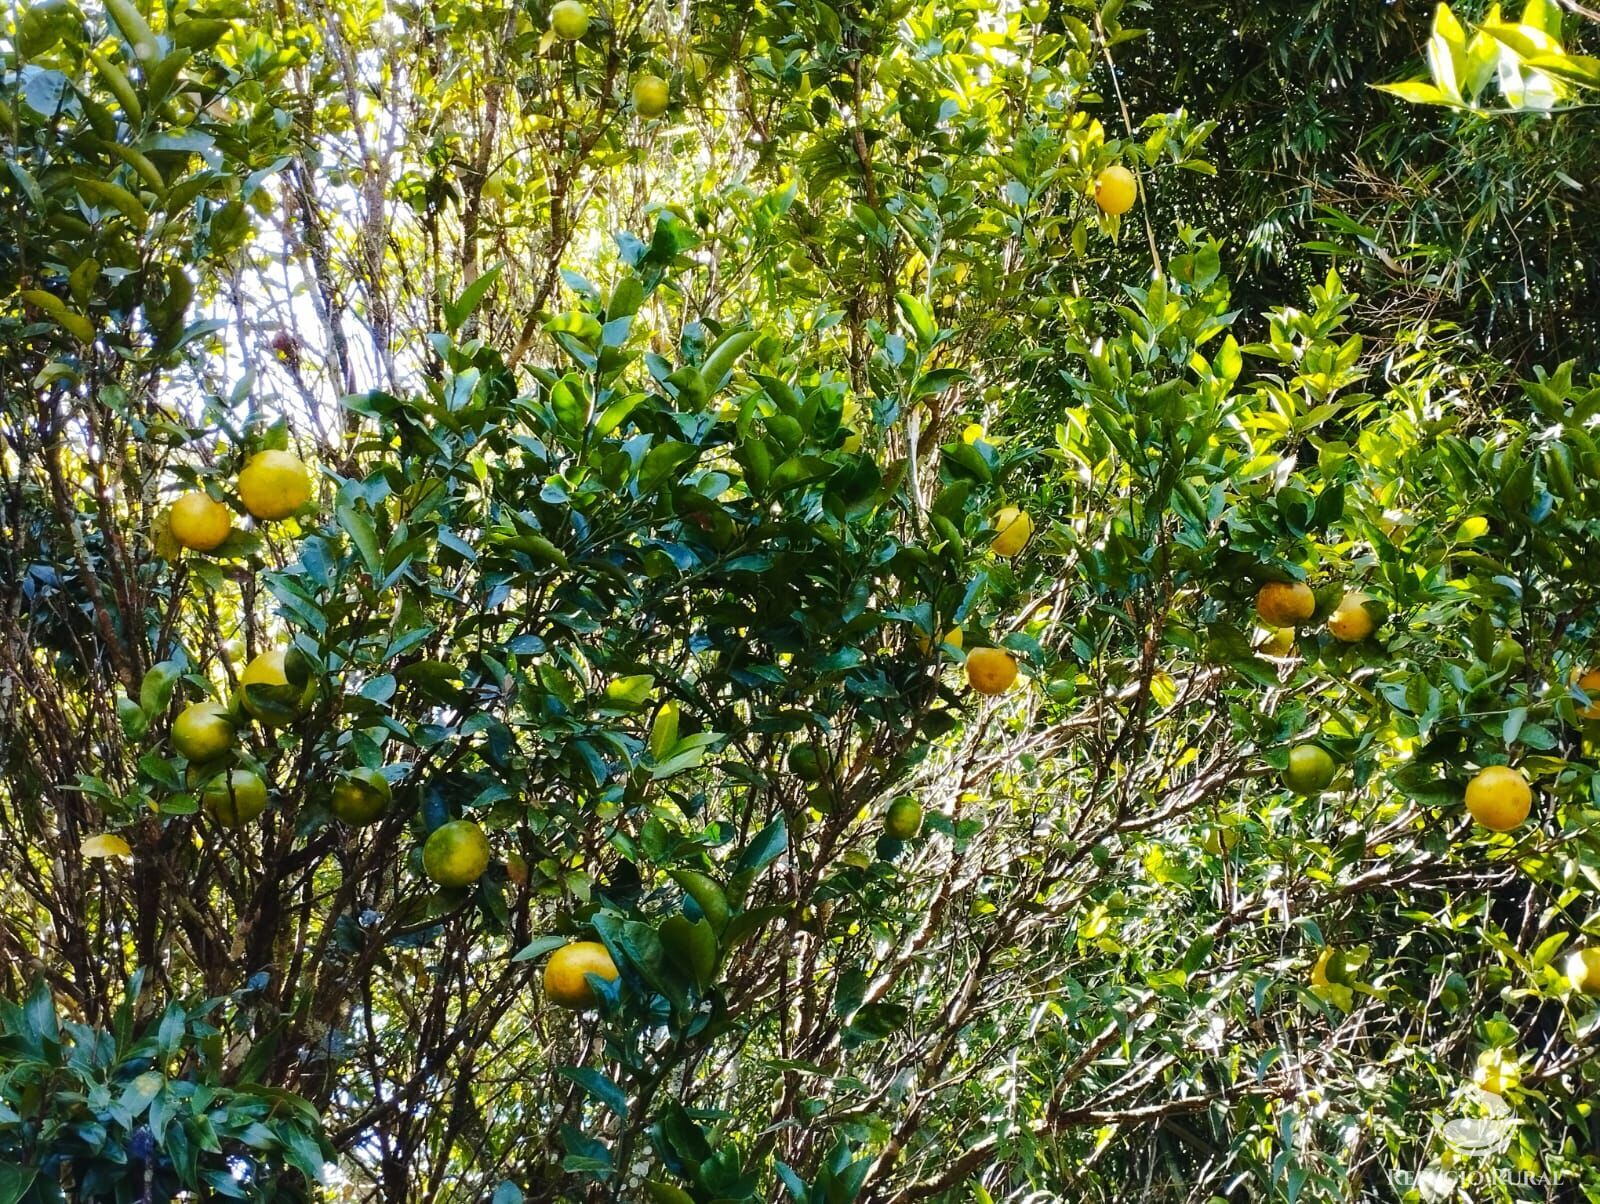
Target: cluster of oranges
[272,486]
[1499,797]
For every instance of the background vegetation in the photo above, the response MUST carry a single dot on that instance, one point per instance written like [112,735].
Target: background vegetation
[649,450]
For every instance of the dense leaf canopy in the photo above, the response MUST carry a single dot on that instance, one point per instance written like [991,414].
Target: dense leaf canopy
[815,639]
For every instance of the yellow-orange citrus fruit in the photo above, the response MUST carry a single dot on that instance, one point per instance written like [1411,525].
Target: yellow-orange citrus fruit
[1285,603]
[1589,683]
[1279,641]
[570,20]
[1115,189]
[1499,797]
[360,796]
[456,854]
[1219,839]
[1583,970]
[564,981]
[273,485]
[651,96]
[1351,621]
[199,523]
[991,670]
[268,669]
[1012,529]
[235,798]
[202,731]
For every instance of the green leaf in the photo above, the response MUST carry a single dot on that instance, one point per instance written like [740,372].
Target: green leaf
[1416,91]
[458,311]
[536,949]
[917,317]
[661,461]
[719,364]
[15,1181]
[156,690]
[360,529]
[768,845]
[597,1085]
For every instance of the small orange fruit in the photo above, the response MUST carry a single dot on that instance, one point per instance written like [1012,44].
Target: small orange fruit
[360,796]
[1351,621]
[991,670]
[565,981]
[1115,189]
[273,485]
[651,96]
[1012,529]
[1285,603]
[456,854]
[235,798]
[202,731]
[570,20]
[1499,797]
[1583,970]
[198,522]
[1589,683]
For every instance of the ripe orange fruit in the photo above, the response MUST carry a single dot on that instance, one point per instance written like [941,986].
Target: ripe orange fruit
[1285,603]
[1012,529]
[1589,683]
[1115,189]
[456,854]
[991,670]
[564,981]
[570,20]
[199,523]
[1351,621]
[235,798]
[651,96]
[202,731]
[1311,767]
[360,796]
[273,485]
[1499,797]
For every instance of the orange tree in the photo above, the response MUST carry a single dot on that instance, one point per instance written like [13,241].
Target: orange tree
[514,603]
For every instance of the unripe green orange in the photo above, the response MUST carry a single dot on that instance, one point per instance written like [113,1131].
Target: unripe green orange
[235,798]
[903,819]
[570,20]
[651,96]
[202,731]
[360,796]
[456,854]
[1311,767]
